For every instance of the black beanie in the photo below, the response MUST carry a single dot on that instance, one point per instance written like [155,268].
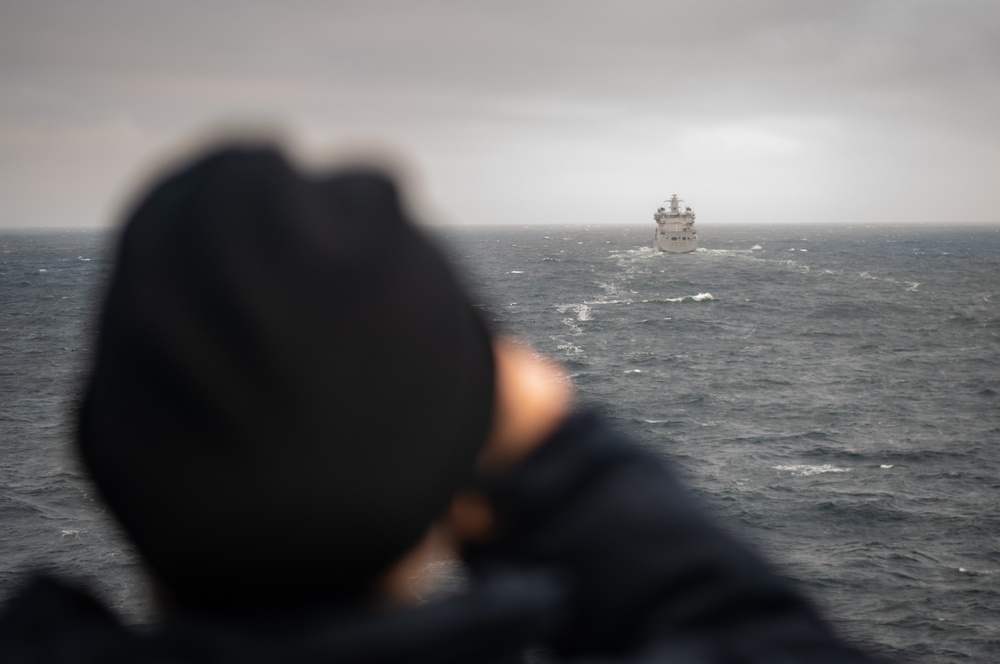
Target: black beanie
[289,383]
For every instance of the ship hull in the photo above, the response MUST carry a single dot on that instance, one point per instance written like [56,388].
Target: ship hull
[676,242]
[678,246]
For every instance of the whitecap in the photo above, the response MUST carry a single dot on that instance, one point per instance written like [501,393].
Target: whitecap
[756,247]
[700,297]
[516,272]
[573,327]
[582,311]
[569,349]
[805,470]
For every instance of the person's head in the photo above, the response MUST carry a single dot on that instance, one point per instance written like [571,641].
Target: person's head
[289,384]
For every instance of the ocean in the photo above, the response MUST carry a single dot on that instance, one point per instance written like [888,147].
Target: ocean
[830,393]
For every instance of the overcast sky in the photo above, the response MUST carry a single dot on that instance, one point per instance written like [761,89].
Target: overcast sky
[522,111]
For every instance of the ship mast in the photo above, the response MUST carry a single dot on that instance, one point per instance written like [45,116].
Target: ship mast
[674,201]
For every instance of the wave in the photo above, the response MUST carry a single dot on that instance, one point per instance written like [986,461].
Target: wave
[582,311]
[806,470]
[725,252]
[700,297]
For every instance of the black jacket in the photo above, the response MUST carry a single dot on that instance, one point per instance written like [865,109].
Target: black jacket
[603,558]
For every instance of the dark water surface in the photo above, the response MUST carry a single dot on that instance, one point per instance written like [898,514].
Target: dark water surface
[832,393]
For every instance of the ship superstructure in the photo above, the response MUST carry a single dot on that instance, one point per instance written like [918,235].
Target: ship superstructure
[675,231]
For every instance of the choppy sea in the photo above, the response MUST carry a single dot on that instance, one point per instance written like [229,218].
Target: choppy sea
[831,393]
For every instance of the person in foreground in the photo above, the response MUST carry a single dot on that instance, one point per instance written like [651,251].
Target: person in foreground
[293,406]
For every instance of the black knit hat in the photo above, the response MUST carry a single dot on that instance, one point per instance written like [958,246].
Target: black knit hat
[289,382]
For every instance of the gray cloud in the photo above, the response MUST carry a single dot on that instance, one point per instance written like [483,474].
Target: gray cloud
[523,111]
